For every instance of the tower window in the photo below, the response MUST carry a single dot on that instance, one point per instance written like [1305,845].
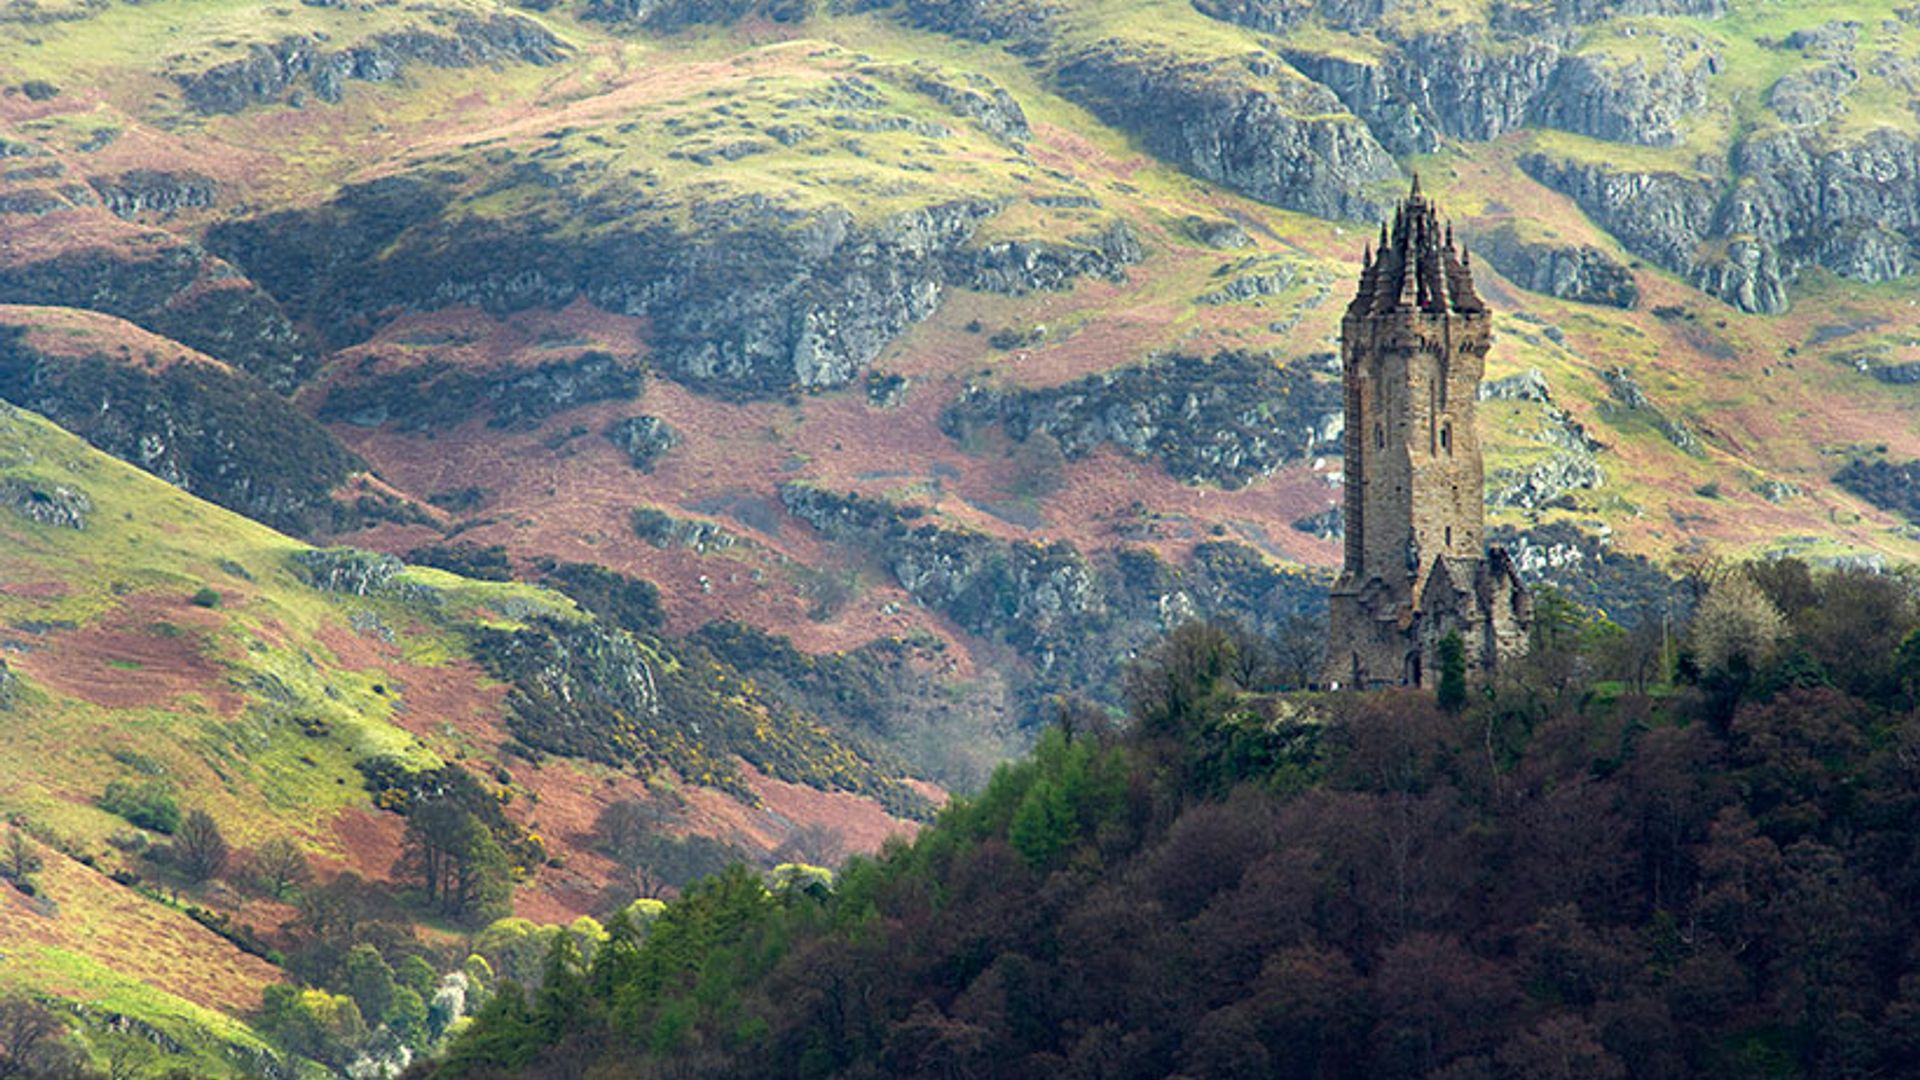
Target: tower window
[1446,437]
[1449,536]
[1379,437]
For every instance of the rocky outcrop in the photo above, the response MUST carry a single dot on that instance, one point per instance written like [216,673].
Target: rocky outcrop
[663,530]
[1248,123]
[1812,95]
[1630,399]
[1019,267]
[1072,617]
[644,438]
[288,69]
[743,297]
[578,688]
[1226,420]
[436,395]
[1800,199]
[361,573]
[1891,486]
[176,290]
[1579,272]
[152,191]
[64,506]
[201,427]
[1248,279]
[1026,25]
[977,98]
[668,16]
[1667,217]
[1328,524]
[1583,564]
[1571,463]
[1630,101]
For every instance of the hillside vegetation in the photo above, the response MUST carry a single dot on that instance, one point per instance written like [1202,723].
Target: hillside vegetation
[171,668]
[722,426]
[1560,875]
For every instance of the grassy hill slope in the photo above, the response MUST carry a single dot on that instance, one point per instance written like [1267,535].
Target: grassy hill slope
[157,642]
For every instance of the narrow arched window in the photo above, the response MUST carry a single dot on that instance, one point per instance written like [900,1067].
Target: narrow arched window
[1449,536]
[1379,436]
[1446,437]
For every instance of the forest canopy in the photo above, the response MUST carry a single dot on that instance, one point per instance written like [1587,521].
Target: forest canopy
[1633,855]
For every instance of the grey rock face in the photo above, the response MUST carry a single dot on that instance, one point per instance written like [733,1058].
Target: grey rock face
[1569,271]
[1228,420]
[277,72]
[1329,524]
[1813,96]
[1571,467]
[358,573]
[1633,102]
[663,531]
[1749,276]
[1632,399]
[62,505]
[1260,130]
[1529,385]
[178,291]
[980,100]
[1248,279]
[1020,267]
[1660,216]
[217,433]
[1375,96]
[150,191]
[744,297]
[436,395]
[644,438]
[1070,616]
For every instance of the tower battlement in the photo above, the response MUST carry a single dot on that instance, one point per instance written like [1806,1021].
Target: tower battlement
[1413,345]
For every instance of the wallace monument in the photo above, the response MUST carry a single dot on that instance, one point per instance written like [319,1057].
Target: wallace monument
[1413,345]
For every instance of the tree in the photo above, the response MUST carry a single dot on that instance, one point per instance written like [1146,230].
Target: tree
[1299,648]
[1168,687]
[1452,693]
[280,866]
[19,862]
[29,1034]
[369,980]
[454,860]
[199,849]
[1735,621]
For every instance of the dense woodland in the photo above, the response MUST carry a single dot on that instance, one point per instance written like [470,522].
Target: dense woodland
[1584,869]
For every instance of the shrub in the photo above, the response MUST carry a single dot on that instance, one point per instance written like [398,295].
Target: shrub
[207,597]
[149,805]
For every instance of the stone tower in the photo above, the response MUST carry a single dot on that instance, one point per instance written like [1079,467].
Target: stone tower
[1413,344]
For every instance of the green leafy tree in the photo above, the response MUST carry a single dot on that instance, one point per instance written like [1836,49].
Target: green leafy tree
[370,980]
[504,1036]
[406,1017]
[452,857]
[417,975]
[149,805]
